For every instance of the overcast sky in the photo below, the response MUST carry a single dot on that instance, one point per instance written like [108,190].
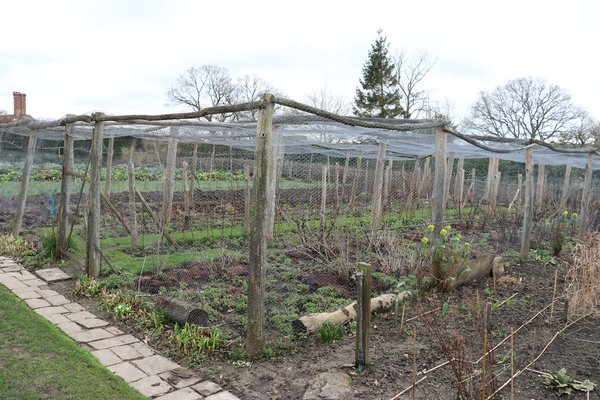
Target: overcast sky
[122,56]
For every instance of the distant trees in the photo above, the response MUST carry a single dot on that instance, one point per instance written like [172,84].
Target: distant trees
[524,108]
[211,86]
[584,131]
[326,100]
[378,94]
[411,73]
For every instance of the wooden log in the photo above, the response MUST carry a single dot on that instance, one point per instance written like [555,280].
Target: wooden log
[483,265]
[65,192]
[183,312]
[255,339]
[169,177]
[584,212]
[528,209]
[109,161]
[132,208]
[273,183]
[18,222]
[376,200]
[311,323]
[93,256]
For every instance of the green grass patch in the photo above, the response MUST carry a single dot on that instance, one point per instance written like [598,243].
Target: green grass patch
[37,361]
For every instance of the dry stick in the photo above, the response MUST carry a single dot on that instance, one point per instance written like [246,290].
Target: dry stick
[483,371]
[536,358]
[512,363]
[115,212]
[154,218]
[402,318]
[553,295]
[414,374]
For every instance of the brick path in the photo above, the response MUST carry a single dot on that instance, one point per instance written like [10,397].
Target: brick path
[127,357]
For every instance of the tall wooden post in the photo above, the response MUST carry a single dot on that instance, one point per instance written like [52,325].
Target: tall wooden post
[564,194]
[186,193]
[460,181]
[169,176]
[132,209]
[378,188]
[539,191]
[528,211]
[387,182]
[337,184]
[247,199]
[437,210]
[323,195]
[448,177]
[193,176]
[25,182]
[93,258]
[109,160]
[493,200]
[65,191]
[255,339]
[584,213]
[273,183]
[363,315]
[488,181]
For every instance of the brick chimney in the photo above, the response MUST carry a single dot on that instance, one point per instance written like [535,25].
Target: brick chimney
[20,104]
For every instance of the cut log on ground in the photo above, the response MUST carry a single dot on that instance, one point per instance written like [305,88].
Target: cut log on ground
[182,312]
[311,323]
[483,265]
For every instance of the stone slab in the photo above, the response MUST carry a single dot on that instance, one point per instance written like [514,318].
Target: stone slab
[69,327]
[114,330]
[80,315]
[207,388]
[74,307]
[58,300]
[26,276]
[180,378]
[106,357]
[155,364]
[181,394]
[30,294]
[57,319]
[34,283]
[113,342]
[37,303]
[126,352]
[92,323]
[12,268]
[223,396]
[48,292]
[152,386]
[50,310]
[52,274]
[11,282]
[91,335]
[127,372]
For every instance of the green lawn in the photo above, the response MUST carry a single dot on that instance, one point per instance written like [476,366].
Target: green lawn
[37,361]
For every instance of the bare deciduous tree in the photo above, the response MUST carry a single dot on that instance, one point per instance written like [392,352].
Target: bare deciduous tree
[249,89]
[524,108]
[326,100]
[411,73]
[584,131]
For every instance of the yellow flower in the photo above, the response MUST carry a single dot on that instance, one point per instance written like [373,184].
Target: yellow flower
[448,227]
[430,228]
[565,213]
[467,244]
[424,240]
[443,232]
[574,215]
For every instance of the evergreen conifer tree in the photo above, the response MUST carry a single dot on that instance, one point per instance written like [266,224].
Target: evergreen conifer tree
[378,95]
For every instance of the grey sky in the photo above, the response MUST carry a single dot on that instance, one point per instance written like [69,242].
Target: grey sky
[122,56]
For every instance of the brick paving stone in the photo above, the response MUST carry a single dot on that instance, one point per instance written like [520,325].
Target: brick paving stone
[126,352]
[50,310]
[106,357]
[48,292]
[80,315]
[207,388]
[91,335]
[92,323]
[52,274]
[12,268]
[152,386]
[25,289]
[37,303]
[114,330]
[143,349]
[30,294]
[57,319]
[127,372]
[155,364]
[11,282]
[113,342]
[181,394]
[34,283]
[222,396]
[26,276]
[57,300]
[180,378]
[69,327]
[73,307]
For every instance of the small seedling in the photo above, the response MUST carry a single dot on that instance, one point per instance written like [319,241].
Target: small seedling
[565,384]
[122,310]
[329,333]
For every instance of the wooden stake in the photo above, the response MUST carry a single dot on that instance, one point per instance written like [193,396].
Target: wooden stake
[169,176]
[437,212]
[247,199]
[376,204]
[539,191]
[255,339]
[512,363]
[93,257]
[132,208]
[553,295]
[155,219]
[584,213]
[193,176]
[65,191]
[402,319]
[323,196]
[109,160]
[337,184]
[25,182]
[363,315]
[528,211]
[448,178]
[186,194]
[564,194]
[414,372]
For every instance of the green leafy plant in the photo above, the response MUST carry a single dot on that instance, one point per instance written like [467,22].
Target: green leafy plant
[194,339]
[565,384]
[122,310]
[564,226]
[13,246]
[329,333]
[88,287]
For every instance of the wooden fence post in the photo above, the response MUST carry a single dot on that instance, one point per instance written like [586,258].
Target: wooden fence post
[132,209]
[437,199]
[459,183]
[193,176]
[273,183]
[528,211]
[25,182]
[378,188]
[539,190]
[448,178]
[255,339]
[564,195]
[323,196]
[93,257]
[584,213]
[247,199]
[109,160]
[363,315]
[169,176]
[387,182]
[186,194]
[65,191]
[337,184]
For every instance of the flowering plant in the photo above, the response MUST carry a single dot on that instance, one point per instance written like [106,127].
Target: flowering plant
[564,225]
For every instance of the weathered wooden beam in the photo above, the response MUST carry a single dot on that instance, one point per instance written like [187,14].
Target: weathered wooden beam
[584,213]
[65,192]
[18,222]
[93,256]
[528,209]
[376,199]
